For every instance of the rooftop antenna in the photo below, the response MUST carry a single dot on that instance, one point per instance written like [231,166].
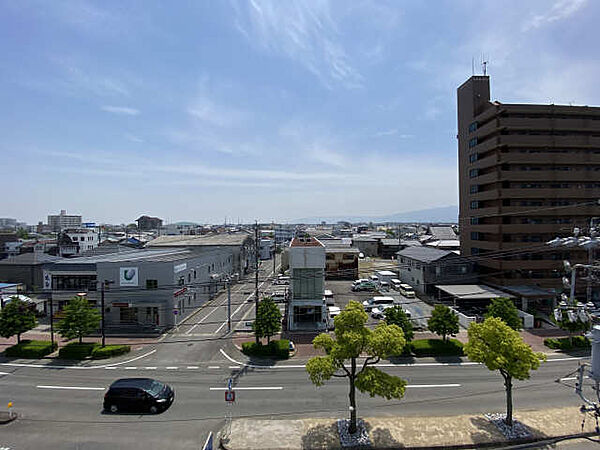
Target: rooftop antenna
[484,64]
[472,66]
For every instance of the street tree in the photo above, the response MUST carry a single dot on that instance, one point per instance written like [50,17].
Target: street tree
[501,348]
[79,319]
[353,340]
[397,316]
[443,321]
[268,319]
[16,317]
[505,309]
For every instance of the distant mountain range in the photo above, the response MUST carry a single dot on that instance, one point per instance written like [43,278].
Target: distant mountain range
[447,214]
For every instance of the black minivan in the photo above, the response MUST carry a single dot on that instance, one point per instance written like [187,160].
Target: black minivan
[139,395]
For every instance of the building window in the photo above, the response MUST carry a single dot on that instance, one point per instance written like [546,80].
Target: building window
[151,284]
[474,188]
[475,235]
[474,220]
[307,283]
[472,142]
[181,281]
[474,204]
[473,173]
[474,157]
[473,126]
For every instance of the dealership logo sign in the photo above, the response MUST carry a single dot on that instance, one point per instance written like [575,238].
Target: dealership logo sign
[128,276]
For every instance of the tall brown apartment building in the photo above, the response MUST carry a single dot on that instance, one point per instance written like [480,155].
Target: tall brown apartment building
[527,174]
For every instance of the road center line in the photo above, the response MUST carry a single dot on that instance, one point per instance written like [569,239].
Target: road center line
[254,388]
[73,388]
[432,385]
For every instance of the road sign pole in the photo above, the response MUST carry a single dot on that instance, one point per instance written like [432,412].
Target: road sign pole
[228,306]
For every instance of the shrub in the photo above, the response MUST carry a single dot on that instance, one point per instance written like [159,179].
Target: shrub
[109,351]
[278,349]
[436,347]
[75,350]
[31,349]
[565,344]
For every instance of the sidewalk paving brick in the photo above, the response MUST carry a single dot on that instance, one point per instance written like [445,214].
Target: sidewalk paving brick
[394,432]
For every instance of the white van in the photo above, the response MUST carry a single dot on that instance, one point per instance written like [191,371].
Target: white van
[328,297]
[377,301]
[396,283]
[374,279]
[407,291]
[332,311]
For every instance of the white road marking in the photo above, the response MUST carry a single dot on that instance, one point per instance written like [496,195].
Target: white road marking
[150,368]
[110,368]
[128,361]
[571,378]
[192,367]
[206,317]
[131,368]
[74,388]
[244,303]
[255,388]
[4,373]
[214,367]
[171,367]
[235,367]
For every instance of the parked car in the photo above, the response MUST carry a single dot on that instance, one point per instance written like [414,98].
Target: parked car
[378,301]
[379,311]
[359,281]
[384,286]
[138,395]
[282,280]
[279,296]
[328,297]
[366,286]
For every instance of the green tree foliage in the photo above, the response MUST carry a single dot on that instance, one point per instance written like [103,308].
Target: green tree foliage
[16,317]
[22,233]
[577,326]
[79,319]
[443,321]
[353,339]
[501,348]
[504,308]
[268,319]
[397,316]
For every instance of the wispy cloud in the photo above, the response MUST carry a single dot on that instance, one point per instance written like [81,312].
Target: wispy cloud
[133,138]
[393,132]
[561,9]
[304,32]
[122,110]
[328,157]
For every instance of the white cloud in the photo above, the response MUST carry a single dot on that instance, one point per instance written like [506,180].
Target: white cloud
[133,138]
[393,132]
[328,157]
[122,110]
[301,31]
[561,9]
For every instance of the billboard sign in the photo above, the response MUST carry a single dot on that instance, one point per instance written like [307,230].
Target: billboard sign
[128,276]
[47,279]
[180,267]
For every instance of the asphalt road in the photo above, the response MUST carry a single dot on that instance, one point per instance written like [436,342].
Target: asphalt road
[61,408]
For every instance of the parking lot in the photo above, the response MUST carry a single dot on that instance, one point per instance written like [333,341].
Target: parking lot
[342,294]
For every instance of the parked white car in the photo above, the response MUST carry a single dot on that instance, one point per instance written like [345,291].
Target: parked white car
[379,311]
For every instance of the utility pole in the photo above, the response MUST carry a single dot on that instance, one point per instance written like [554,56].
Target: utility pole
[274,259]
[51,320]
[256,274]
[228,306]
[102,287]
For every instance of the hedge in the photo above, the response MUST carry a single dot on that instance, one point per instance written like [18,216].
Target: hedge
[109,351]
[436,347]
[31,349]
[278,349]
[75,350]
[565,344]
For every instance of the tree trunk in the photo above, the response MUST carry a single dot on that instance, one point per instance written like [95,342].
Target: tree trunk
[509,405]
[18,338]
[80,339]
[268,339]
[352,395]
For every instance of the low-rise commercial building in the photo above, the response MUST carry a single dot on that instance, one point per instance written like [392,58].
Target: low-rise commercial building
[341,263]
[424,267]
[368,246]
[63,220]
[148,289]
[28,268]
[148,223]
[306,309]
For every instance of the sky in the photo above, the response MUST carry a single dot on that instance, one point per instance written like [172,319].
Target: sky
[209,111]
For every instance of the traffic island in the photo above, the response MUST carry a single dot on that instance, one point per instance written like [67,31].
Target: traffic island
[464,431]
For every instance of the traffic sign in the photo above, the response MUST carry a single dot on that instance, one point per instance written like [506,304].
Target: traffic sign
[230,396]
[175,312]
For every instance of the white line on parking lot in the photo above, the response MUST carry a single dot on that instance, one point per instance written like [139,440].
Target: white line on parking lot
[74,388]
[255,388]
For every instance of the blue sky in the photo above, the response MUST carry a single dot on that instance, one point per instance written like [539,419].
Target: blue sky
[269,110]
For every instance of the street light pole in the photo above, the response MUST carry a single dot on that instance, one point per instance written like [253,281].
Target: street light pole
[228,306]
[256,275]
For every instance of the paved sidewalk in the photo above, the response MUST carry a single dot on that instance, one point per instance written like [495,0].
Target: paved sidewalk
[395,432]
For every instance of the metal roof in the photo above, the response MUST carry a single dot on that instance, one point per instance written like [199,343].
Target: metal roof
[424,254]
[130,255]
[441,233]
[472,291]
[236,239]
[32,258]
